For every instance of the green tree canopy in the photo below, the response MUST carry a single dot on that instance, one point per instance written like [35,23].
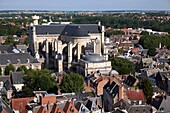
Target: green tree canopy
[146,86]
[151,42]
[39,80]
[111,32]
[22,68]
[9,40]
[26,41]
[123,66]
[9,68]
[72,82]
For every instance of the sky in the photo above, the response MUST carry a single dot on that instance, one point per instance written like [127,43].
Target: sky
[84,5]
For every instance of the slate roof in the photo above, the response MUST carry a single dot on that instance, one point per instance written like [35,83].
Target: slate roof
[22,47]
[130,80]
[91,105]
[140,109]
[49,29]
[81,107]
[17,77]
[4,108]
[144,51]
[6,49]
[162,60]
[112,88]
[165,105]
[6,81]
[92,57]
[4,78]
[81,29]
[68,30]
[13,57]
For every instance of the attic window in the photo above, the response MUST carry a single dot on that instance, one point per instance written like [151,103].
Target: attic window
[8,61]
[18,61]
[28,60]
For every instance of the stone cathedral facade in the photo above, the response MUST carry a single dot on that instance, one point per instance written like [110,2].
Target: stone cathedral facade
[63,45]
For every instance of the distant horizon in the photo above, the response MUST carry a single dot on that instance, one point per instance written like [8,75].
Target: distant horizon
[84,5]
[84,10]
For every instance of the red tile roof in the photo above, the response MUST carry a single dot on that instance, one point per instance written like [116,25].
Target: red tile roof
[135,95]
[42,110]
[56,109]
[20,103]
[69,108]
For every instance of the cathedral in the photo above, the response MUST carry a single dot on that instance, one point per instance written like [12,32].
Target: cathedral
[64,45]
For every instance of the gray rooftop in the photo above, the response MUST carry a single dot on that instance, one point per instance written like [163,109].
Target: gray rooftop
[92,57]
[17,77]
[68,30]
[15,58]
[6,49]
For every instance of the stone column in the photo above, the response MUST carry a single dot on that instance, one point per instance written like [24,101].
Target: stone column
[46,46]
[94,47]
[47,53]
[34,40]
[78,51]
[105,54]
[102,40]
[60,62]
[59,47]
[55,45]
[69,54]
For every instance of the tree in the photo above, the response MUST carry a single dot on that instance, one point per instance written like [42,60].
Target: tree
[72,82]
[147,40]
[39,80]
[9,40]
[146,86]
[112,32]
[22,68]
[8,69]
[26,41]
[0,71]
[123,66]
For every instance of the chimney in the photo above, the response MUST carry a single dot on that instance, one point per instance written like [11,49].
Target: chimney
[72,101]
[88,82]
[59,92]
[99,23]
[48,108]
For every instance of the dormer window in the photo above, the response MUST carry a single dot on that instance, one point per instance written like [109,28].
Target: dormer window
[18,61]
[8,61]
[28,60]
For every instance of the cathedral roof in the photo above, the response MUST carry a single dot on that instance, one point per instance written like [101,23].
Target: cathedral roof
[81,29]
[92,57]
[68,30]
[49,29]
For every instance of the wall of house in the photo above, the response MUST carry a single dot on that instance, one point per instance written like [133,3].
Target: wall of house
[48,100]
[87,68]
[18,86]
[100,86]
[28,65]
